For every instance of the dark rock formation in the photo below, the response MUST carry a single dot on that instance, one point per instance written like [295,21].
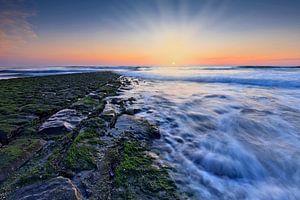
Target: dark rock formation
[58,188]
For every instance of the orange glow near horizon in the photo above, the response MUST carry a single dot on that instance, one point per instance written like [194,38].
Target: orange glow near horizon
[159,46]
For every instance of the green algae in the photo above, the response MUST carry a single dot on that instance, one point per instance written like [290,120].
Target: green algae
[137,176]
[15,154]
[25,103]
[94,123]
[37,98]
[40,110]
[80,158]
[125,166]
[81,154]
[88,101]
[16,150]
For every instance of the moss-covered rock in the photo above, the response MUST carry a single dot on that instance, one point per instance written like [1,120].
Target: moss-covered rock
[41,110]
[81,154]
[137,177]
[94,123]
[15,154]
[37,98]
[86,104]
[105,153]
[7,132]
[28,102]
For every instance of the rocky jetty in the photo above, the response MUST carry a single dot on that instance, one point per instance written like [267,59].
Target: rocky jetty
[84,144]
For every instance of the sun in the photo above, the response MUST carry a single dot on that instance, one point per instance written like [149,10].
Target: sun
[173,63]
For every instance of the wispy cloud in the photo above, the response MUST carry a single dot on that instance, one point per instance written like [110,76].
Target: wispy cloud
[15,29]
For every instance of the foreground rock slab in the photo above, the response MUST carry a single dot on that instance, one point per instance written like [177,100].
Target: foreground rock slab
[58,188]
[61,122]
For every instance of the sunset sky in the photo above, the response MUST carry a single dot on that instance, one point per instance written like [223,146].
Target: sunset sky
[149,32]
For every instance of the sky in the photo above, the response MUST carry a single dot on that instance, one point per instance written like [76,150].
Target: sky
[149,32]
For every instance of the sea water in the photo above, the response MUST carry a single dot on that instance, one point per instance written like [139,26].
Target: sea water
[227,132]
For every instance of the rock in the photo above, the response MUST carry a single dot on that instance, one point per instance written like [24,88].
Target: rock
[140,128]
[81,107]
[58,188]
[100,94]
[4,137]
[139,176]
[131,99]
[94,96]
[109,115]
[132,111]
[86,104]
[118,101]
[61,122]
[7,132]
[99,183]
[16,153]
[153,130]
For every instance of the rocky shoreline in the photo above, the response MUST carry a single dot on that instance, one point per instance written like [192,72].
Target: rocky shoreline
[72,137]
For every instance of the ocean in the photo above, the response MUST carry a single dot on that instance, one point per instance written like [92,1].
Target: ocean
[227,132]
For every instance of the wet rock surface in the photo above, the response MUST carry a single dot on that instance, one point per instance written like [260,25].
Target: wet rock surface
[59,188]
[140,128]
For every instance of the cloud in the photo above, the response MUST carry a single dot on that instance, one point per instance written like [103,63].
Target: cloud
[15,29]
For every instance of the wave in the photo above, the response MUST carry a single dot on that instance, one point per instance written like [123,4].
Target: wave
[247,81]
[225,68]
[270,67]
[211,132]
[221,79]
